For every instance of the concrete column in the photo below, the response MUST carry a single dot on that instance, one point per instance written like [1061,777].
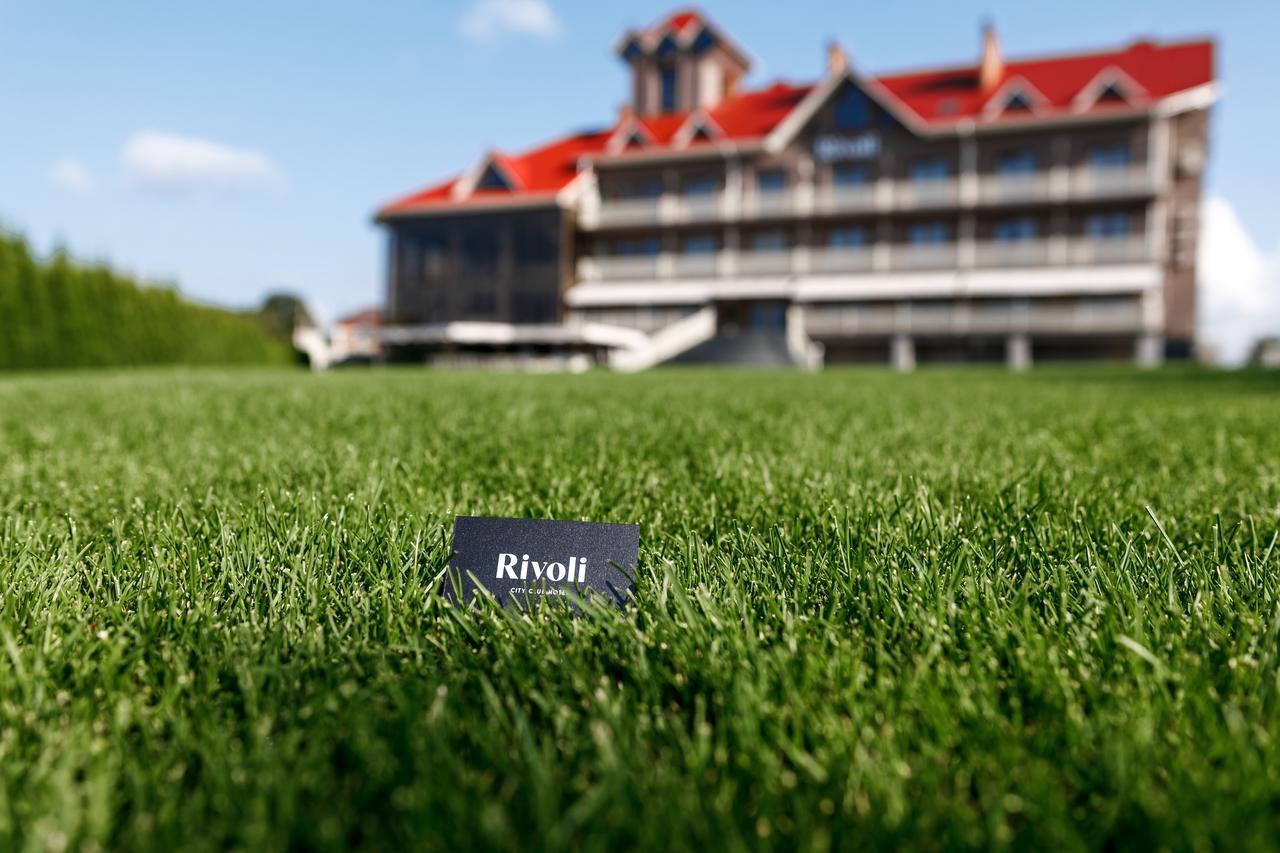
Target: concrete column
[881,249]
[800,251]
[1059,248]
[733,189]
[804,190]
[1018,352]
[903,353]
[727,262]
[1149,351]
[1060,169]
[966,244]
[667,256]
[882,192]
[968,170]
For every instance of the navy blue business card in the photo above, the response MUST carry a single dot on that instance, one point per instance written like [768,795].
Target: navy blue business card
[527,561]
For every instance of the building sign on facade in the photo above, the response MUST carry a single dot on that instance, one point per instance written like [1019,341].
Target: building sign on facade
[830,148]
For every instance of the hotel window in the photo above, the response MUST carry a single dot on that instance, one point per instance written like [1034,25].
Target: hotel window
[1101,226]
[1016,163]
[639,248]
[928,233]
[1109,156]
[852,111]
[701,185]
[853,237]
[700,244]
[929,170]
[651,188]
[850,175]
[771,181]
[668,81]
[768,241]
[1015,229]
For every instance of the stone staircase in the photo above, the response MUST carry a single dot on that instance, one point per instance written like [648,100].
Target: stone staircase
[757,349]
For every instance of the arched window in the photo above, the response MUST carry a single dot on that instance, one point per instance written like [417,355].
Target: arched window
[667,79]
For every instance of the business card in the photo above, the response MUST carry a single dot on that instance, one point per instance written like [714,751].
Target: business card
[527,561]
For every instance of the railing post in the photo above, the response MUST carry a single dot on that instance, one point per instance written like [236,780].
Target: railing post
[903,353]
[1018,352]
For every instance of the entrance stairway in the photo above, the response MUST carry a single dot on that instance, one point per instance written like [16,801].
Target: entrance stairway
[696,339]
[754,348]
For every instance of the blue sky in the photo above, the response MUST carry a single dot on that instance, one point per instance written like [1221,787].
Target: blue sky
[240,147]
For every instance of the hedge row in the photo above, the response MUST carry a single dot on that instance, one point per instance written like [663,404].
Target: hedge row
[60,313]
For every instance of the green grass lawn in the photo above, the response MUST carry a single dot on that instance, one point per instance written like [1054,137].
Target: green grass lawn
[948,609]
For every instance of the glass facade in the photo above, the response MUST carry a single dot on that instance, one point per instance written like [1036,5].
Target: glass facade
[929,170]
[928,234]
[1112,224]
[494,267]
[853,237]
[1109,156]
[771,181]
[850,175]
[699,244]
[668,83]
[1017,163]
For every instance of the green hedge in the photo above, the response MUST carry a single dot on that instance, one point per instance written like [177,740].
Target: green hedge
[60,313]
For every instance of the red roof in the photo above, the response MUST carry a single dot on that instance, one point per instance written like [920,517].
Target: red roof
[946,95]
[677,21]
[365,317]
[935,98]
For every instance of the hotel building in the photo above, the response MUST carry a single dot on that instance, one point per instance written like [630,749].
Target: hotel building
[1008,210]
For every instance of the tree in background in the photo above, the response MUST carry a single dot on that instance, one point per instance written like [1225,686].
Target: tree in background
[281,313]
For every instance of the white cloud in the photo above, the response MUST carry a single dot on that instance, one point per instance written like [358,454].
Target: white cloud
[486,20]
[167,161]
[73,176]
[1239,287]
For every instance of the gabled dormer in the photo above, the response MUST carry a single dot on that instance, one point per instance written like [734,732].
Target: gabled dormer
[1111,85]
[491,173]
[1016,97]
[681,63]
[698,127]
[631,135]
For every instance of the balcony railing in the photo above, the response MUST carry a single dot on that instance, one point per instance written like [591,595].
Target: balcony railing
[901,257]
[631,211]
[1081,183]
[1012,253]
[695,265]
[836,259]
[766,262]
[923,257]
[1004,189]
[624,268]
[1110,250]
[1110,182]
[1081,316]
[698,208]
[771,203]
[851,199]
[933,192]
